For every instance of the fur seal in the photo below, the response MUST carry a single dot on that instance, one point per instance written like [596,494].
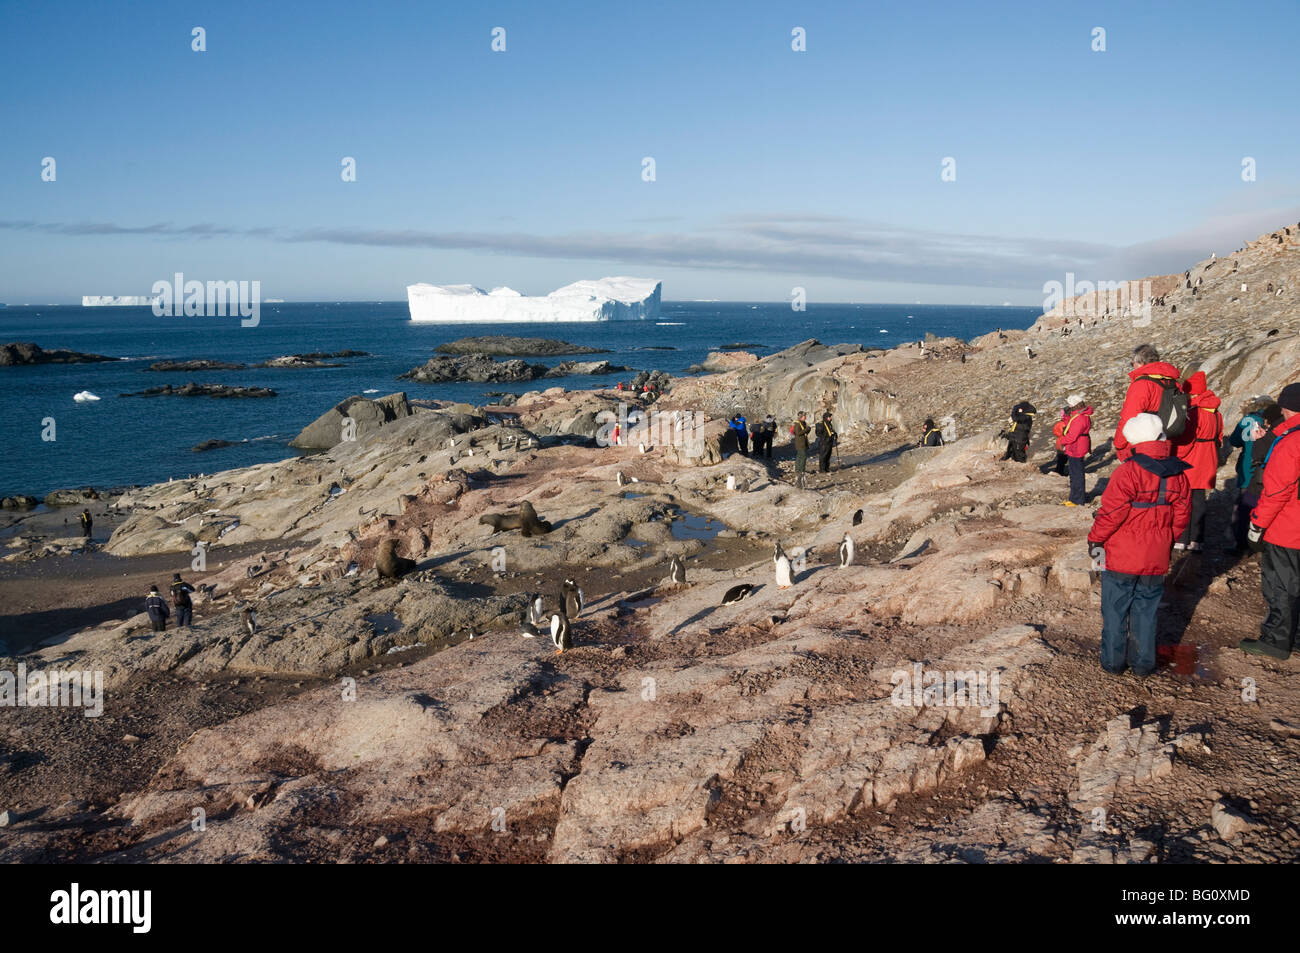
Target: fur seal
[525,521]
[389,564]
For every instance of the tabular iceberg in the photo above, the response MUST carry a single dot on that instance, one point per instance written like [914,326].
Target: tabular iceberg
[117,301]
[605,299]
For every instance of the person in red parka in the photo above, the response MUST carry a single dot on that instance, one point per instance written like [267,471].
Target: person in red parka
[1076,444]
[1198,447]
[1275,531]
[1149,378]
[1144,508]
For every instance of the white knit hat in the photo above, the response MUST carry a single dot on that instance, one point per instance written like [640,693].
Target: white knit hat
[1143,428]
[1074,400]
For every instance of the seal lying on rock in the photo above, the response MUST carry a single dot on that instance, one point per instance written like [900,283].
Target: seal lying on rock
[525,521]
[389,564]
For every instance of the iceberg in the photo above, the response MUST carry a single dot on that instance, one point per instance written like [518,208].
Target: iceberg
[603,299]
[82,396]
[117,301]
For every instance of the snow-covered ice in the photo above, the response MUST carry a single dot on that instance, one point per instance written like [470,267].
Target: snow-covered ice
[604,299]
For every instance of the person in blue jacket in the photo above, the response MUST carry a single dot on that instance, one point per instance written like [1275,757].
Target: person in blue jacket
[1258,415]
[741,430]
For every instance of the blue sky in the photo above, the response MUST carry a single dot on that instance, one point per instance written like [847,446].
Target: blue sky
[774,168]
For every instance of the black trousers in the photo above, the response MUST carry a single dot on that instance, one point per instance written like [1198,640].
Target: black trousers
[1280,581]
[1016,452]
[824,459]
[159,625]
[1195,531]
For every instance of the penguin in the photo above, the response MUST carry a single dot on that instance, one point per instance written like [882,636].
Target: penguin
[731,481]
[677,571]
[736,593]
[536,613]
[571,596]
[526,626]
[561,631]
[250,620]
[782,563]
[857,518]
[846,551]
[620,478]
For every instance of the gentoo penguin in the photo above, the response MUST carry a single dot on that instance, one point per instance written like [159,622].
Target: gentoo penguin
[643,448]
[622,480]
[536,615]
[572,599]
[782,563]
[857,518]
[561,631]
[846,551]
[677,571]
[250,620]
[526,626]
[731,481]
[736,593]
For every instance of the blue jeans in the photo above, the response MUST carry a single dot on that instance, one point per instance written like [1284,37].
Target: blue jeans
[1077,492]
[1128,620]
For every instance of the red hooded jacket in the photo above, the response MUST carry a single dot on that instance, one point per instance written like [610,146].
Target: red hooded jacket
[1136,529]
[1143,397]
[1198,447]
[1075,439]
[1278,510]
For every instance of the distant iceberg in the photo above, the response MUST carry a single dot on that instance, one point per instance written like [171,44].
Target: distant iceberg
[117,301]
[82,396]
[605,299]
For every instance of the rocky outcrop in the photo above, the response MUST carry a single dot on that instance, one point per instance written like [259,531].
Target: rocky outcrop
[588,368]
[503,345]
[478,368]
[203,390]
[71,497]
[210,445]
[26,352]
[196,364]
[314,359]
[366,416]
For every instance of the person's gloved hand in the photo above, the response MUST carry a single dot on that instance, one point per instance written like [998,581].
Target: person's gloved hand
[1255,536]
[1097,553]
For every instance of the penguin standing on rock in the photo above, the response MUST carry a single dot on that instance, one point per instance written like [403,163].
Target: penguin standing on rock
[571,599]
[783,570]
[846,551]
[731,481]
[677,571]
[561,631]
[249,618]
[857,518]
[536,615]
[620,478]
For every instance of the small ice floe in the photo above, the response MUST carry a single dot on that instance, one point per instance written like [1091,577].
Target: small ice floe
[884,330]
[82,397]
[372,390]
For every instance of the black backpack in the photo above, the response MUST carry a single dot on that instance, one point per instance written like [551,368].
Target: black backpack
[1174,406]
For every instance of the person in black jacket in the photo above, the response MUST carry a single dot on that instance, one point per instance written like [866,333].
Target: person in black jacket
[827,438]
[1017,432]
[86,523]
[930,435]
[157,609]
[764,433]
[181,600]
[799,432]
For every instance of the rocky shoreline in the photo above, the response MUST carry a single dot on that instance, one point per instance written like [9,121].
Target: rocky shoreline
[379,719]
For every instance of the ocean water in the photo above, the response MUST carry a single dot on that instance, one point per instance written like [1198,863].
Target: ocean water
[118,441]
